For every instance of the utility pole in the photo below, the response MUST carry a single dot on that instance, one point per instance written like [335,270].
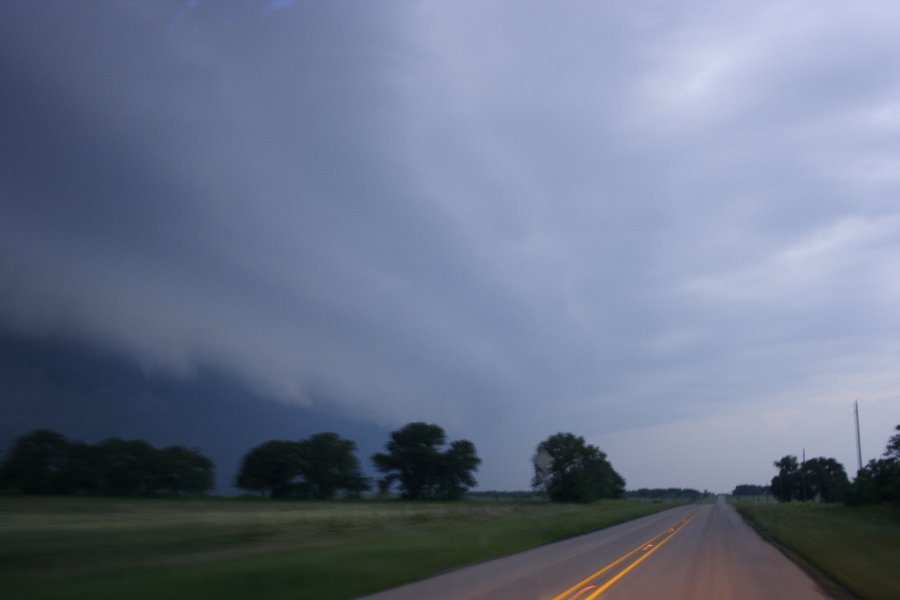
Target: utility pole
[858,445]
[803,477]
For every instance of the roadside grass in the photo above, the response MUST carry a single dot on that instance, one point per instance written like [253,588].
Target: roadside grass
[230,548]
[857,547]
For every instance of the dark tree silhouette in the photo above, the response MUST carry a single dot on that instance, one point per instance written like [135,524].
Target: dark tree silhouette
[568,469]
[272,467]
[879,481]
[824,479]
[415,460]
[328,465]
[317,467]
[46,462]
[892,451]
[665,493]
[186,471]
[751,489]
[786,484]
[458,464]
[821,479]
[37,463]
[129,467]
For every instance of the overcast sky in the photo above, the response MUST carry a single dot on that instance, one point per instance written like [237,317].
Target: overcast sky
[671,227]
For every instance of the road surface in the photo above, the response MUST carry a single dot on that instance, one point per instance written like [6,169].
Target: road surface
[686,553]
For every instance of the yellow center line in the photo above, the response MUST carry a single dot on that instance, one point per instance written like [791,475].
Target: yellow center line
[622,573]
[619,560]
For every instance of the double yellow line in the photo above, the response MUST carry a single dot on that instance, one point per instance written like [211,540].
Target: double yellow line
[648,547]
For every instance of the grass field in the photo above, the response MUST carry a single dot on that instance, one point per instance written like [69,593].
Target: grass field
[223,548]
[859,548]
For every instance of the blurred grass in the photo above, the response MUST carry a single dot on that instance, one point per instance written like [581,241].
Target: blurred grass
[230,548]
[858,547]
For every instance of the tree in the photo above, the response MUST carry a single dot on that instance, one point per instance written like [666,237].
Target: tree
[458,464]
[128,467]
[327,465]
[46,462]
[786,485]
[892,451]
[879,480]
[824,479]
[317,467]
[185,471]
[37,463]
[750,489]
[272,467]
[821,478]
[83,475]
[666,494]
[415,460]
[570,470]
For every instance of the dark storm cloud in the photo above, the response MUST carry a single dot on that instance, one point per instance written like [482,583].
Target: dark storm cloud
[608,218]
[90,394]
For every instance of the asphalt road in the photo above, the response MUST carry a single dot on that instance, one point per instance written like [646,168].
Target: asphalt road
[687,553]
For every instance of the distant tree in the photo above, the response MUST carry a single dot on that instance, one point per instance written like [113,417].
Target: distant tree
[786,484]
[876,483]
[749,489]
[415,460]
[327,464]
[879,481]
[272,467]
[892,451]
[185,472]
[37,463]
[129,467]
[46,462]
[824,479]
[568,469]
[83,474]
[317,467]
[666,494]
[459,462]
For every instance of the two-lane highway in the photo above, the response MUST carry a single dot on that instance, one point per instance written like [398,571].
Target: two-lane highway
[686,553]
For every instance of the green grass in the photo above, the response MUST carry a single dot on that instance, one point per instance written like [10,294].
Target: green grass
[222,548]
[859,548]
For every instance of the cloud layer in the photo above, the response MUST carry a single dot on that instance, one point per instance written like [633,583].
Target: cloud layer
[658,226]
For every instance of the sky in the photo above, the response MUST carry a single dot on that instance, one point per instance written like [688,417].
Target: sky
[672,228]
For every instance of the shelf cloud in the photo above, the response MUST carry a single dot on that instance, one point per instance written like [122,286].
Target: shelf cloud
[656,224]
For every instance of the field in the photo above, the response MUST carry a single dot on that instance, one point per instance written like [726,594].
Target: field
[229,548]
[856,547]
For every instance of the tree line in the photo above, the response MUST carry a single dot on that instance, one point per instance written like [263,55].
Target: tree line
[418,463]
[825,480]
[46,462]
[749,489]
[667,494]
